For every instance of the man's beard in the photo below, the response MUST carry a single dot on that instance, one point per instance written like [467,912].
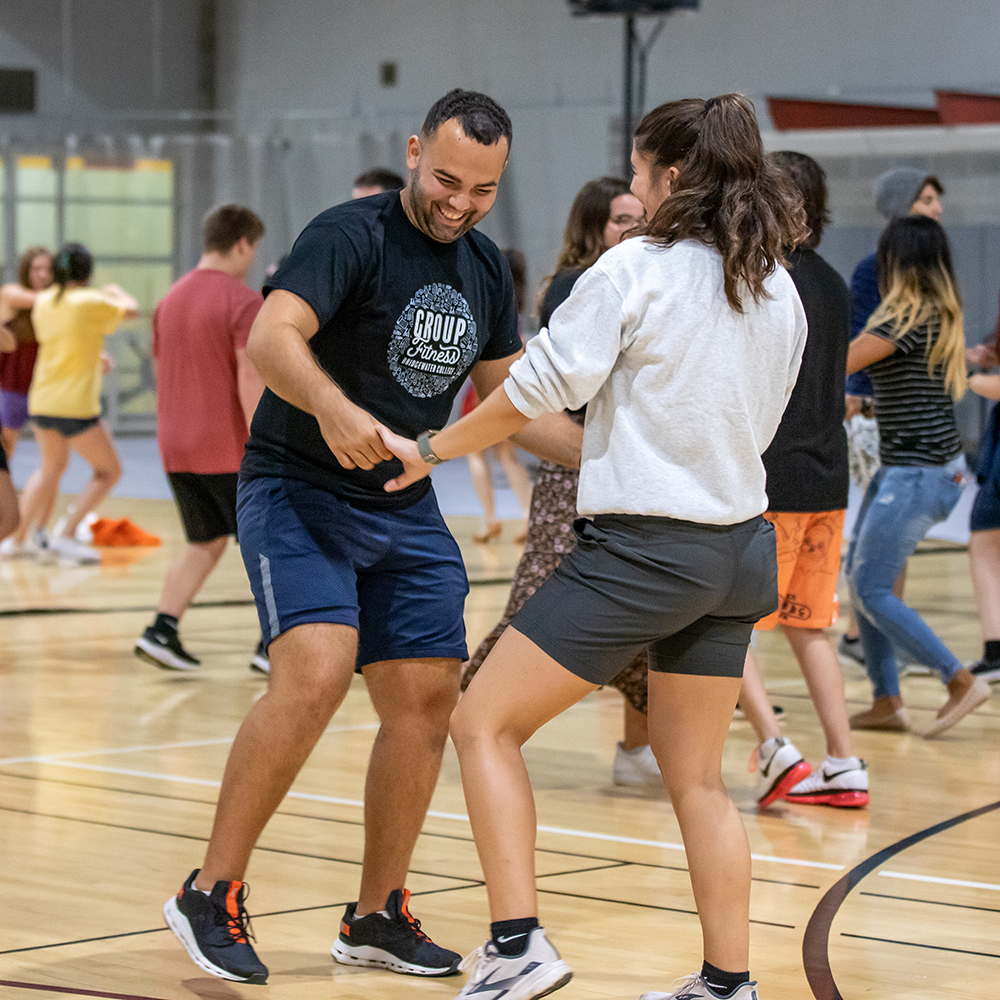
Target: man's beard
[426,217]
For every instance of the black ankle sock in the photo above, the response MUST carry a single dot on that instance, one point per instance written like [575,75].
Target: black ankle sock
[991,649]
[165,623]
[724,983]
[511,936]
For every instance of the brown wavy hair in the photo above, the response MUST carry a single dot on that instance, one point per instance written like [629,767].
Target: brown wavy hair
[25,262]
[583,237]
[726,195]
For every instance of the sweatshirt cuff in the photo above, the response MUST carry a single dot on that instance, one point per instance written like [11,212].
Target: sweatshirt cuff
[531,408]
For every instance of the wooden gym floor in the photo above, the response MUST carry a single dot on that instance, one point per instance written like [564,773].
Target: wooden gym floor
[109,770]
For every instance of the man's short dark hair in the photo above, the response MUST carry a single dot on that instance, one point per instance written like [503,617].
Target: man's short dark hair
[224,227]
[810,180]
[379,177]
[481,117]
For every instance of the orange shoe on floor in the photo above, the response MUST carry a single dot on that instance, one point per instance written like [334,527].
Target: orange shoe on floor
[121,532]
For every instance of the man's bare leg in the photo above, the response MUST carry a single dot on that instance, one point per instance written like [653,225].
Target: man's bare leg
[311,670]
[187,573]
[414,700]
[819,666]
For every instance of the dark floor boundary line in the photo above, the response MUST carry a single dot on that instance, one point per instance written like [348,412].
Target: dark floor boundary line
[150,608]
[343,822]
[471,884]
[816,940]
[648,906]
[920,944]
[930,902]
[75,991]
[204,840]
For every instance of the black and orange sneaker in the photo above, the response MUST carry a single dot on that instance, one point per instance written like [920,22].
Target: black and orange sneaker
[215,930]
[391,940]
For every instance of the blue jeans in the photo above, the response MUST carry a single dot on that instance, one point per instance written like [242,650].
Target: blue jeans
[899,508]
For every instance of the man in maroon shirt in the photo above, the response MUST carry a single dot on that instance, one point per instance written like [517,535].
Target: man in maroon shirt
[207,391]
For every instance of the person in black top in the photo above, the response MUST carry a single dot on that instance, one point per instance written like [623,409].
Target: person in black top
[381,309]
[914,349]
[807,483]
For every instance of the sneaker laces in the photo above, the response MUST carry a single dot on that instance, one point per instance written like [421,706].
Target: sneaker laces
[238,924]
[412,920]
[476,958]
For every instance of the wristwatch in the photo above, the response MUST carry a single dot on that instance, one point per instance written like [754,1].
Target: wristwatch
[425,449]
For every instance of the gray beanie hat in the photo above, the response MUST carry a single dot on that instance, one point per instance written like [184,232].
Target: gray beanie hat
[896,190]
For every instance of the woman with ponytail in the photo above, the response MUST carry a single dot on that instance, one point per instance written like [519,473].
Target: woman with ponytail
[64,401]
[684,344]
[914,349]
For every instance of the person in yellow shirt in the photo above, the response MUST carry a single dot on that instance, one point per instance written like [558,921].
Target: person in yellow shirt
[71,322]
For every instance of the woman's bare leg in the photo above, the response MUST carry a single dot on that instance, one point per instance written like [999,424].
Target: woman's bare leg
[689,717]
[43,485]
[517,690]
[96,448]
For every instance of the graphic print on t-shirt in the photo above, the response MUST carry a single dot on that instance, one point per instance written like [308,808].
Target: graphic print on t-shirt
[434,341]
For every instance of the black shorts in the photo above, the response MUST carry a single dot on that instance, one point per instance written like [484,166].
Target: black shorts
[67,426]
[690,592]
[207,504]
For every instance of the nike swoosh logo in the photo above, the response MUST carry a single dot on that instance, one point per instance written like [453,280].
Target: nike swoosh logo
[510,937]
[501,985]
[836,774]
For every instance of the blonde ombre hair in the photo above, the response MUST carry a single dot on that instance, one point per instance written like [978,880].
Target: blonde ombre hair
[918,287]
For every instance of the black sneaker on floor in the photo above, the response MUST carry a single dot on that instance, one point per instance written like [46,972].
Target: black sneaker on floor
[989,670]
[394,942]
[260,663]
[164,649]
[215,930]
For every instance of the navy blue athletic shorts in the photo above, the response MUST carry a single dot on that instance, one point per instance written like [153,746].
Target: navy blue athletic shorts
[690,592]
[396,576]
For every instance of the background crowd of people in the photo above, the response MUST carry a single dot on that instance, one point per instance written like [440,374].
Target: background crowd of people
[897,332]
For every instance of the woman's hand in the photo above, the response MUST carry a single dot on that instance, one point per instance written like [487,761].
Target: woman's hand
[414,467]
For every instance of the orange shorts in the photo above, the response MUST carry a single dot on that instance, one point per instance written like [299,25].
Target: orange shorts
[808,563]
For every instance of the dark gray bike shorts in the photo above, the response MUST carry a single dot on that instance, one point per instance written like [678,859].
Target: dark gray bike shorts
[690,592]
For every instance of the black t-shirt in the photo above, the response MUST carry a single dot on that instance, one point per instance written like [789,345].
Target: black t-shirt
[806,462]
[916,414]
[556,294]
[402,319]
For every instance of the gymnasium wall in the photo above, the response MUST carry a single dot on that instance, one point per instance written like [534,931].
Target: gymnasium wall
[280,103]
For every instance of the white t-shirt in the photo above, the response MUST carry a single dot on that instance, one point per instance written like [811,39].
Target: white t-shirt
[683,393]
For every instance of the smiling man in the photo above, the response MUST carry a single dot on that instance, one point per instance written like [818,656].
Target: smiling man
[380,311]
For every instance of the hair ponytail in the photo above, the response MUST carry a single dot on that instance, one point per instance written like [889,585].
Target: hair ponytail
[72,262]
[726,195]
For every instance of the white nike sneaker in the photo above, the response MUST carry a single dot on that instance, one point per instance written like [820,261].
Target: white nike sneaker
[536,972]
[636,768]
[70,548]
[781,767]
[834,785]
[694,987]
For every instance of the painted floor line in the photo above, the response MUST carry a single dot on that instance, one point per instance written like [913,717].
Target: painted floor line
[433,813]
[56,758]
[942,881]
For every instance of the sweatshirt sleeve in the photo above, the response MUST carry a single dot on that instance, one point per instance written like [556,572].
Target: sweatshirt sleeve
[567,363]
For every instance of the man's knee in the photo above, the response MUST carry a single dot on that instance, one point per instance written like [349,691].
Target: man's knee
[415,696]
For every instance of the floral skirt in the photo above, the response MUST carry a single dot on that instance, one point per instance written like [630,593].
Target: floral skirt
[550,537]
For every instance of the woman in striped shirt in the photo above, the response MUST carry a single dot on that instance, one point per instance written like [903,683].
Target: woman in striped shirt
[914,349]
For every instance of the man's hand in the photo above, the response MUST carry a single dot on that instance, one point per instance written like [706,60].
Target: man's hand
[414,467]
[352,434]
[982,356]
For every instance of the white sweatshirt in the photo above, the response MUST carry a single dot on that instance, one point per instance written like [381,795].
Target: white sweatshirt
[683,394]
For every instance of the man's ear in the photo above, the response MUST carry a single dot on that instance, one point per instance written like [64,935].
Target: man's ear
[412,152]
